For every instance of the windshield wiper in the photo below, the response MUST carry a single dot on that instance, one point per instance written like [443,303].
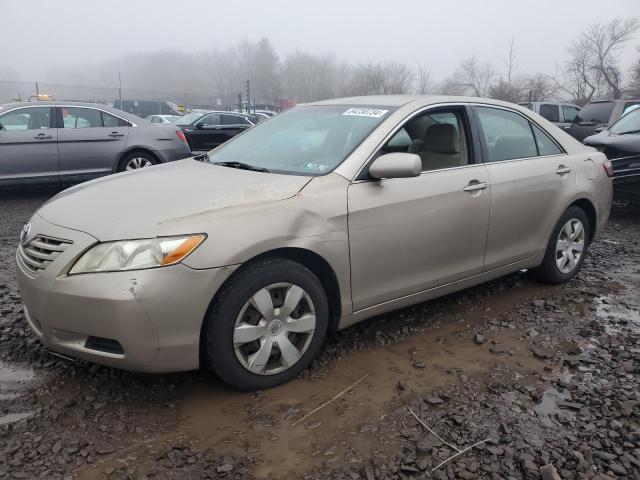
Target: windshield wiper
[241,166]
[629,132]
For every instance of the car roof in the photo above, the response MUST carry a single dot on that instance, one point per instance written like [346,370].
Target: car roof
[52,103]
[402,100]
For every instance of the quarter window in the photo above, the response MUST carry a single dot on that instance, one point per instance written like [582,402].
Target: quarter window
[508,135]
[546,146]
[34,118]
[109,120]
[550,112]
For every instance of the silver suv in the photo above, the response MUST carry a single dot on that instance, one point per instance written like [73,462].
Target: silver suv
[70,142]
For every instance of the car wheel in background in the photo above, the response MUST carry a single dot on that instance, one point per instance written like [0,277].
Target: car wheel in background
[266,324]
[566,249]
[136,160]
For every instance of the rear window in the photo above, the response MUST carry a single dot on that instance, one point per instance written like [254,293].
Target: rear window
[598,112]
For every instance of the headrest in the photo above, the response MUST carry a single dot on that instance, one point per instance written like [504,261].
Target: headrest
[441,138]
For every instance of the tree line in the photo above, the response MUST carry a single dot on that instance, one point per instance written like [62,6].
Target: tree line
[592,70]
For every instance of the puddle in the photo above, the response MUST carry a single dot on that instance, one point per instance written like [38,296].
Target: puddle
[548,407]
[13,381]
[618,314]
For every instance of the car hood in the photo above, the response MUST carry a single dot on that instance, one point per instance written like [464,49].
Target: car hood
[164,200]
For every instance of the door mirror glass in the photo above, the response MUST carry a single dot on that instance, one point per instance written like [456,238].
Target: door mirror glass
[396,165]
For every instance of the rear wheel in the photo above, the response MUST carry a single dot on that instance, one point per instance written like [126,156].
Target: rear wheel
[266,325]
[566,249]
[137,160]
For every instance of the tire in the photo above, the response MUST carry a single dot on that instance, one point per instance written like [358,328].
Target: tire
[136,160]
[550,270]
[231,350]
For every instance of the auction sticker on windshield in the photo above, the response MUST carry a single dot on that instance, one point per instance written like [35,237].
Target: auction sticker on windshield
[366,112]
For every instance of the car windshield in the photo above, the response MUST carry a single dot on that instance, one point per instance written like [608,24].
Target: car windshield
[629,123]
[189,118]
[306,140]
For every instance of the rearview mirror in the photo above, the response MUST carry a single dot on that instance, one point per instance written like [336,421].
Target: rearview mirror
[396,165]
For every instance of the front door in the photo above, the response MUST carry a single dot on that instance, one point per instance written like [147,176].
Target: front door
[407,235]
[28,148]
[89,143]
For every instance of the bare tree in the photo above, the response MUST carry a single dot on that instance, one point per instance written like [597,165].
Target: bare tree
[593,69]
[474,76]
[634,82]
[511,64]
[379,79]
[423,80]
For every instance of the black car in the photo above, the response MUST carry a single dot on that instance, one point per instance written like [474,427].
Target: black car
[621,144]
[595,116]
[208,129]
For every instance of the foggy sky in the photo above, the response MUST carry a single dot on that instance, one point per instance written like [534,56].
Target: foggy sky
[36,35]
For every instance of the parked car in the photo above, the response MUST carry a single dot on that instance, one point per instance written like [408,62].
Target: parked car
[559,113]
[595,116]
[144,108]
[162,119]
[206,129]
[620,142]
[69,142]
[325,215]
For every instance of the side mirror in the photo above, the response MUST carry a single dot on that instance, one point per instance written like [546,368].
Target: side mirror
[199,125]
[600,129]
[396,165]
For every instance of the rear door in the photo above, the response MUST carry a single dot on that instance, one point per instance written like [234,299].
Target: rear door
[28,148]
[89,142]
[531,178]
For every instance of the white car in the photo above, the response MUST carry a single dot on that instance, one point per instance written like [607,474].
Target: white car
[162,118]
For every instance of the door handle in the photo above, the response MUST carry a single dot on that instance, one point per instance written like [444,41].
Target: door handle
[474,186]
[42,136]
[562,170]
[116,134]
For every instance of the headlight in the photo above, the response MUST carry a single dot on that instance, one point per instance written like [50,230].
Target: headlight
[136,254]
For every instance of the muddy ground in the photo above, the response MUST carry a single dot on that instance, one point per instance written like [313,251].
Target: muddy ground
[545,378]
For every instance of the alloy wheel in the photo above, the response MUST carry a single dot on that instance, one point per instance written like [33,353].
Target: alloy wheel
[274,328]
[570,245]
[138,162]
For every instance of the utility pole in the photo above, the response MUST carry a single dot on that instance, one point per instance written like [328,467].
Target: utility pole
[120,90]
[37,92]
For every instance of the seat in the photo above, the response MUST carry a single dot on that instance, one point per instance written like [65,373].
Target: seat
[441,147]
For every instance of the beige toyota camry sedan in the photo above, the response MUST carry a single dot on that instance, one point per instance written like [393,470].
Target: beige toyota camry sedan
[241,260]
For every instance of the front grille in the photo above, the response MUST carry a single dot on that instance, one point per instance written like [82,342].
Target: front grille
[41,251]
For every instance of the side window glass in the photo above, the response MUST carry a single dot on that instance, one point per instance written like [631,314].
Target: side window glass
[569,113]
[550,112]
[74,117]
[211,120]
[439,138]
[35,118]
[546,146]
[508,135]
[111,121]
[234,120]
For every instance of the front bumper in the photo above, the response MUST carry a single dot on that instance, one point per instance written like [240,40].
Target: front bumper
[155,315]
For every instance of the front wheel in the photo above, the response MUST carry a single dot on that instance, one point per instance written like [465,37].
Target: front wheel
[566,249]
[266,325]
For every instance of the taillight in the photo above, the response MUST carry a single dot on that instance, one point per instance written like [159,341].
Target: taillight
[181,136]
[608,168]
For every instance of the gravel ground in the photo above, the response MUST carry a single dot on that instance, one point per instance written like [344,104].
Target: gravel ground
[545,380]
